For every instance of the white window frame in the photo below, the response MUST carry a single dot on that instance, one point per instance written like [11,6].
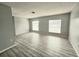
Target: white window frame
[35,25]
[55,26]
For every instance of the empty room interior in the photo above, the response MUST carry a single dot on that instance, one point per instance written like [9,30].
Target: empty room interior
[39,29]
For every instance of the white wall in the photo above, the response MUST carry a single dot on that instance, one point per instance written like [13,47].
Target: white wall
[74,28]
[21,25]
[7,36]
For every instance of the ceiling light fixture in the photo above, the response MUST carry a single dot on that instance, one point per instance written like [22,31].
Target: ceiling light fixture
[33,12]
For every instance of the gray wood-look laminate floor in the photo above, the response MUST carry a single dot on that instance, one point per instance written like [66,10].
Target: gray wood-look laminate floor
[39,45]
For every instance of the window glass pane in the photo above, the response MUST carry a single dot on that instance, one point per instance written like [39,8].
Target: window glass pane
[55,26]
[35,25]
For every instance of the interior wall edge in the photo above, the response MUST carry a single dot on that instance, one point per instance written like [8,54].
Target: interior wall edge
[74,47]
[8,48]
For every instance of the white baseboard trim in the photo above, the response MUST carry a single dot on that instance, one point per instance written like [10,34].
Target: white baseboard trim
[21,33]
[74,48]
[8,48]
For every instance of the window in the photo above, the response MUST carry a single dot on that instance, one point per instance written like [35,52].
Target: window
[35,25]
[55,26]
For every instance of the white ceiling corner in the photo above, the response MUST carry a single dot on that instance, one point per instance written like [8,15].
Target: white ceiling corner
[24,9]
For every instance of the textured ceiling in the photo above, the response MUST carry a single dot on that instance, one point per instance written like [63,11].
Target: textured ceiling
[25,9]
